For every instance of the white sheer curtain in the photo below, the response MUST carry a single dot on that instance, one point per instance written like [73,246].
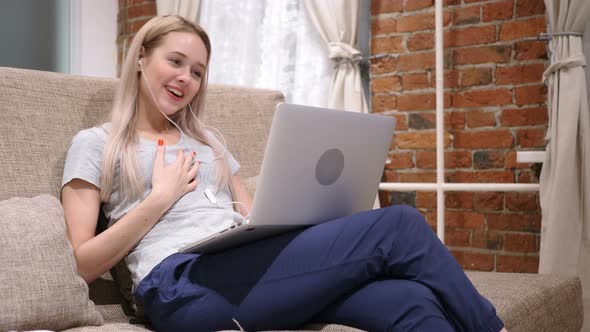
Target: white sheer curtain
[188,9]
[337,21]
[565,178]
[267,44]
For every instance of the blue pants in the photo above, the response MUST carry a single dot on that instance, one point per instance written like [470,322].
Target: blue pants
[380,270]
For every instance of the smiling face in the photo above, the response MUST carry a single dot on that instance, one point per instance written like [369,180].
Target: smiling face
[174,71]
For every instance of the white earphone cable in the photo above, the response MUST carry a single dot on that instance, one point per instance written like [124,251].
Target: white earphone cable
[205,190]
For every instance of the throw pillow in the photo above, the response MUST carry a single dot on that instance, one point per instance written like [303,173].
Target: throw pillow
[40,285]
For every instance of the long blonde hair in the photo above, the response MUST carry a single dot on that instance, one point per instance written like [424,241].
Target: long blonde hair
[120,151]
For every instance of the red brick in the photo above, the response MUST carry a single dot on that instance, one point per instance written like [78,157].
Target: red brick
[529,7]
[462,219]
[517,222]
[458,159]
[386,84]
[391,176]
[390,45]
[145,9]
[524,28]
[418,4]
[520,74]
[466,15]
[475,76]
[518,242]
[457,237]
[426,159]
[415,81]
[498,11]
[420,177]
[530,50]
[417,61]
[488,201]
[400,160]
[401,121]
[531,137]
[459,200]
[474,261]
[418,140]
[477,98]
[422,120]
[421,41]
[381,26]
[522,201]
[383,103]
[413,102]
[486,54]
[458,120]
[484,177]
[483,139]
[383,65]
[418,22]
[425,199]
[477,35]
[453,159]
[487,240]
[517,264]
[524,117]
[386,6]
[527,95]
[486,159]
[477,119]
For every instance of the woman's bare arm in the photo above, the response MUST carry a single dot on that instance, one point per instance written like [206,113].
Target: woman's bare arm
[97,254]
[241,195]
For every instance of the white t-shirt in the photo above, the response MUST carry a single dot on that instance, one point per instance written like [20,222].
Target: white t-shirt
[191,218]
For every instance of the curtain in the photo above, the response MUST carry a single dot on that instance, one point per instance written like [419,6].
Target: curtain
[336,21]
[188,9]
[268,45]
[565,177]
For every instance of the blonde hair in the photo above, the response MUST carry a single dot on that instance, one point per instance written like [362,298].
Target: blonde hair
[120,153]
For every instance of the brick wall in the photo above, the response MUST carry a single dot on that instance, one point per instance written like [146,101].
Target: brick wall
[494,106]
[131,17]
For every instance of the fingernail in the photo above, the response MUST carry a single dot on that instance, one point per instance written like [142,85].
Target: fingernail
[160,142]
[194,153]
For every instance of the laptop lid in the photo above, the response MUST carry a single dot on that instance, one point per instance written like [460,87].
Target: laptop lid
[320,164]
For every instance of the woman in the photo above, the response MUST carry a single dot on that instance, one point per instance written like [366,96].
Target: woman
[153,170]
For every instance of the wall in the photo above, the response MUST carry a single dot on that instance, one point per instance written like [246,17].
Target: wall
[494,106]
[94,37]
[35,35]
[132,16]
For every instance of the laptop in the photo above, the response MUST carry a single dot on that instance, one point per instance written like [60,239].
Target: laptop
[319,164]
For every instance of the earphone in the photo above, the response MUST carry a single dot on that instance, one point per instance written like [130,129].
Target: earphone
[208,194]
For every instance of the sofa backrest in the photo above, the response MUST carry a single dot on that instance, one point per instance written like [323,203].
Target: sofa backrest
[40,112]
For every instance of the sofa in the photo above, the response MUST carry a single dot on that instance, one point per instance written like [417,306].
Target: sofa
[40,112]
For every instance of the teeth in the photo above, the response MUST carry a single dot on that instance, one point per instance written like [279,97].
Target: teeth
[175,92]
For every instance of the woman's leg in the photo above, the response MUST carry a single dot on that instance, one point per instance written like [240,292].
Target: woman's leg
[284,281]
[389,305]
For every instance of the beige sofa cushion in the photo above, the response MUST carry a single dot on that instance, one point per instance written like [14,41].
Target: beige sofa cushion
[40,288]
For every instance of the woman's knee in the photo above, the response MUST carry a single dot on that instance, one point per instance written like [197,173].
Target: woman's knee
[407,216]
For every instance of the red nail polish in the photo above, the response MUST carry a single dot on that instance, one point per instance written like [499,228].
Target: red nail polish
[194,154]
[160,142]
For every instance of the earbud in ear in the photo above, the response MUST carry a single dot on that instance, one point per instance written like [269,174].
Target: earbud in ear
[139,65]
